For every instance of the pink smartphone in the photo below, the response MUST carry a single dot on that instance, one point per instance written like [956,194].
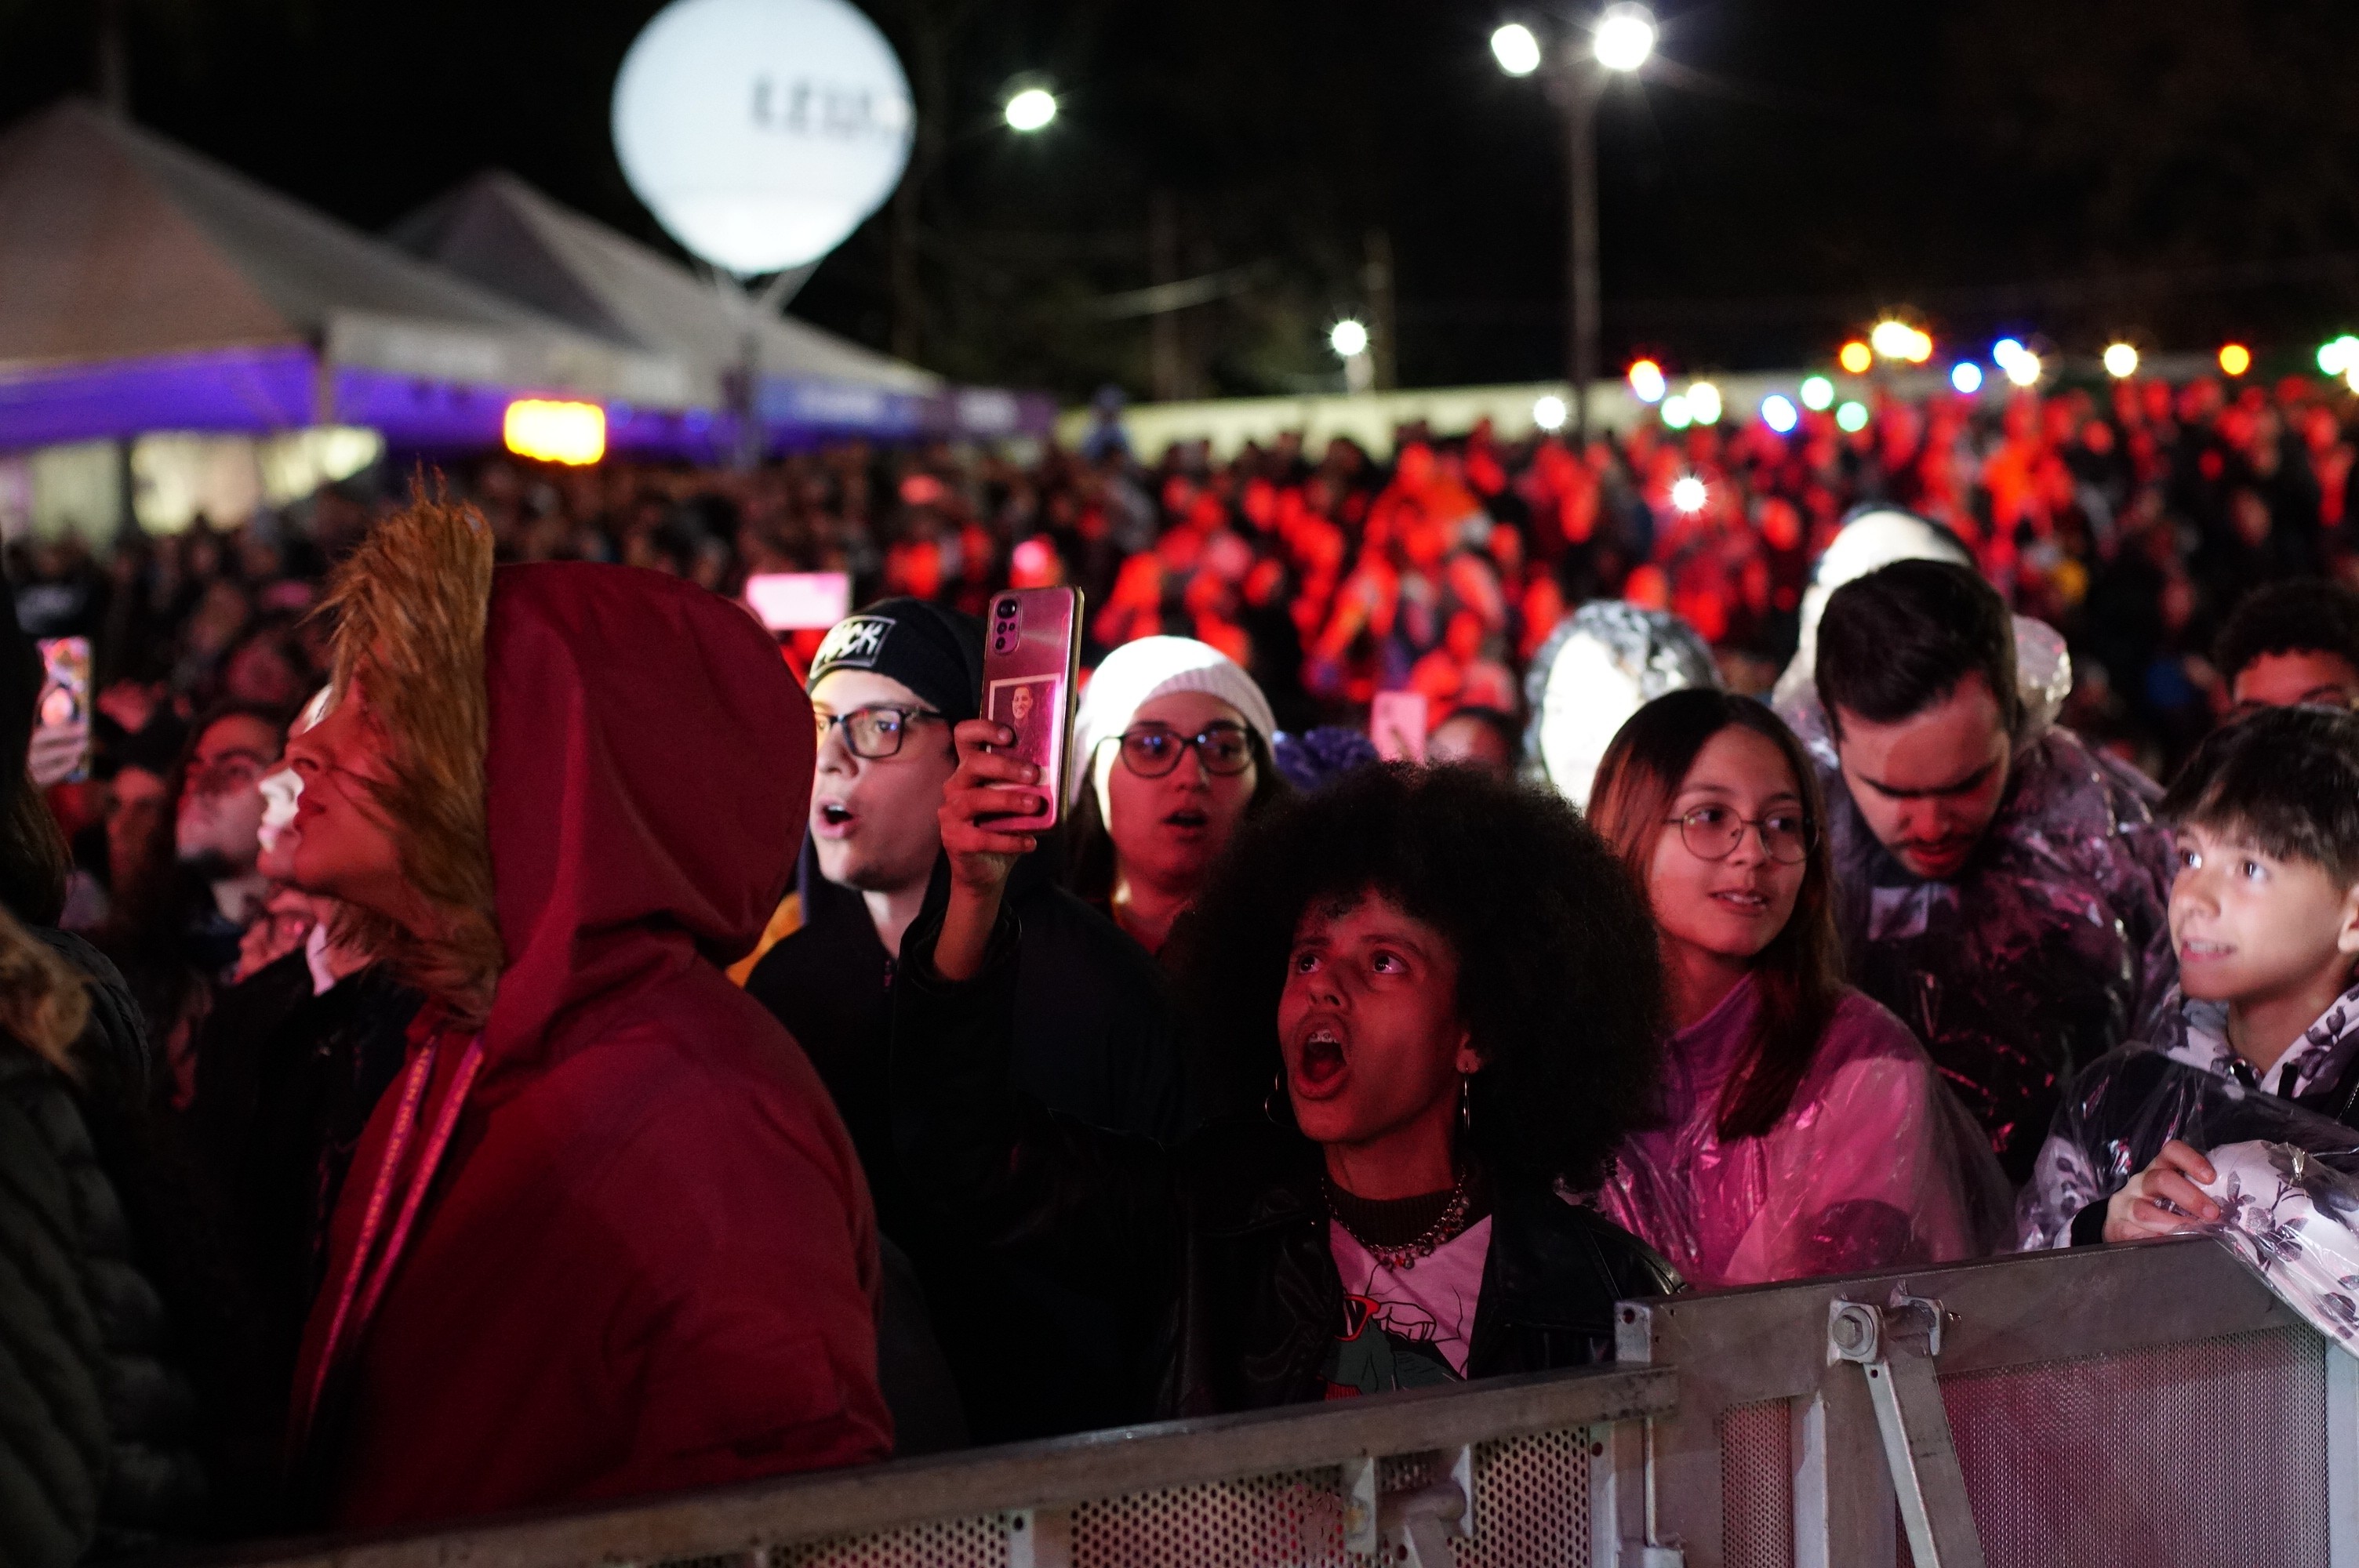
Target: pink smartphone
[65,694]
[1031,657]
[1396,724]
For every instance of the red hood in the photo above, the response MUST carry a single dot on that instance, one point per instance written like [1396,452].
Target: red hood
[649,770]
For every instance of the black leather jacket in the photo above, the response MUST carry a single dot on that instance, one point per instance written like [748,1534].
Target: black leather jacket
[1215,1247]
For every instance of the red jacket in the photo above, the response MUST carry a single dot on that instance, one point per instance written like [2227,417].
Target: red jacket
[646,1258]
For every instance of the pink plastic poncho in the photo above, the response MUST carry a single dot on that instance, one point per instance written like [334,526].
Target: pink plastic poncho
[1874,1165]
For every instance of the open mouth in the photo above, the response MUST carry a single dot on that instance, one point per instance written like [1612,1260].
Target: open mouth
[1744,901]
[834,814]
[1320,1063]
[1188,819]
[2197,951]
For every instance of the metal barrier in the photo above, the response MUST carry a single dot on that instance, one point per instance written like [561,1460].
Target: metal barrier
[2147,1405]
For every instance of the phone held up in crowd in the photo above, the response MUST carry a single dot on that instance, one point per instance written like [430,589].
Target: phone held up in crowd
[1030,666]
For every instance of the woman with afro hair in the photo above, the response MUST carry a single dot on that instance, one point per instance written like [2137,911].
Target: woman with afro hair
[1429,1001]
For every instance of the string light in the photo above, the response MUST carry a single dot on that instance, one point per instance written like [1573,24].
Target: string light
[1855,357]
[1818,394]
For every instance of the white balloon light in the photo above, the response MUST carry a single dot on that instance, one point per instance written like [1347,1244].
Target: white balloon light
[761,133]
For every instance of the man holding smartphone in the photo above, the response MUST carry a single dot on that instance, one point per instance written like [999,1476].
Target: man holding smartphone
[1096,1036]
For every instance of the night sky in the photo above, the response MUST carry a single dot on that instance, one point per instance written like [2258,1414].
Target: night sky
[2174,171]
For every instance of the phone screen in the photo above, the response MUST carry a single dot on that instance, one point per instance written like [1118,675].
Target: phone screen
[65,698]
[1396,725]
[799,602]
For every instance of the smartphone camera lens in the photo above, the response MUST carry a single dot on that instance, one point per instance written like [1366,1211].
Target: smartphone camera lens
[1006,625]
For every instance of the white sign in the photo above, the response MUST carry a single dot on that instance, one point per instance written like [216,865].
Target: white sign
[760,133]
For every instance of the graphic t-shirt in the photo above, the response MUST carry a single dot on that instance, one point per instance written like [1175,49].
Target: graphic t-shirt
[1405,1328]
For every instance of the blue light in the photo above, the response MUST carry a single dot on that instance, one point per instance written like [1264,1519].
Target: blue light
[1779,413]
[1966,376]
[2005,350]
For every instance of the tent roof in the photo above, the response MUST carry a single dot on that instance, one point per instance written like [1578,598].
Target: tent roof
[502,232]
[117,244]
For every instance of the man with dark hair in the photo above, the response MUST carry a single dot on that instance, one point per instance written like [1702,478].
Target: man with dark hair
[2001,887]
[2292,645]
[1098,1038]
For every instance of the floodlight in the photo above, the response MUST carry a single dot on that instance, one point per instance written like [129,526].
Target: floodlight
[1518,51]
[1625,36]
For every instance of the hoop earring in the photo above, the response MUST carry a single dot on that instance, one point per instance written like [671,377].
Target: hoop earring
[1465,1105]
[1270,1101]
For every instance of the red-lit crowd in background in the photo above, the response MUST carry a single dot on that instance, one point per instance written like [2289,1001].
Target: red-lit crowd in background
[2130,515]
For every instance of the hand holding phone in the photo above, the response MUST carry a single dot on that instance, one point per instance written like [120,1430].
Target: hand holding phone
[60,748]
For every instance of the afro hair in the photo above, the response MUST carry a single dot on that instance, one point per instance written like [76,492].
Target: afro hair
[1560,978]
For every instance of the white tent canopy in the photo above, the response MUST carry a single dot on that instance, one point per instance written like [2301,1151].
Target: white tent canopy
[501,232]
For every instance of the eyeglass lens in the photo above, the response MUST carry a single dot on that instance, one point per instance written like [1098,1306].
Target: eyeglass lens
[1712,833]
[872,734]
[1151,753]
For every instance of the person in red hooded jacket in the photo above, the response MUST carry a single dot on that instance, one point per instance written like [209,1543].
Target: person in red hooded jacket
[605,1235]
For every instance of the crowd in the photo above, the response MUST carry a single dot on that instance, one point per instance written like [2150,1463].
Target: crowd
[485,1030]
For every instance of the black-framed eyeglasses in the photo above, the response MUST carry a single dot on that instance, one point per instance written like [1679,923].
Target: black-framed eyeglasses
[1713,832]
[1152,751]
[872,734]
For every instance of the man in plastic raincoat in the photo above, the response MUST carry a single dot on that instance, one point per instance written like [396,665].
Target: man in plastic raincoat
[2001,887]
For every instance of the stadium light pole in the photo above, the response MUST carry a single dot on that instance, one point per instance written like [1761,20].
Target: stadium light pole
[1579,68]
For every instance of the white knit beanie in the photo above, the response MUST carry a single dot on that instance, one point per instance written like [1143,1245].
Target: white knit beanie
[1136,674]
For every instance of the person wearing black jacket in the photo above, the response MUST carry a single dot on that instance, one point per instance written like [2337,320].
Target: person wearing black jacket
[1099,1038]
[1430,1002]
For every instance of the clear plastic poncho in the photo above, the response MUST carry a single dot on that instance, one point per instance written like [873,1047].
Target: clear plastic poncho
[2285,1176]
[2187,1084]
[1608,660]
[2051,949]
[1875,1164]
[2293,1218]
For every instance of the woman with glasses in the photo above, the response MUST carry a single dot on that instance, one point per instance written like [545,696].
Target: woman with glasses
[1805,1130]
[1170,754]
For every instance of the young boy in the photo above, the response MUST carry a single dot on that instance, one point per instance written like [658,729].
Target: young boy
[2264,922]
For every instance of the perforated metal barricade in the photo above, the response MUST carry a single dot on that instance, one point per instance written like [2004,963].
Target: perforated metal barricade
[2132,1406]
[2124,1406]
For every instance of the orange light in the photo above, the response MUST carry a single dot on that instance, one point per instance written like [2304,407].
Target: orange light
[2235,359]
[1647,383]
[1855,357]
[551,432]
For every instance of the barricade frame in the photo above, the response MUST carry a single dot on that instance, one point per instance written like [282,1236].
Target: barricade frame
[1651,1425]
[1746,1348]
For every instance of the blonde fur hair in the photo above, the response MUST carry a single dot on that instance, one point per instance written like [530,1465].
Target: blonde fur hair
[410,606]
[43,1003]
